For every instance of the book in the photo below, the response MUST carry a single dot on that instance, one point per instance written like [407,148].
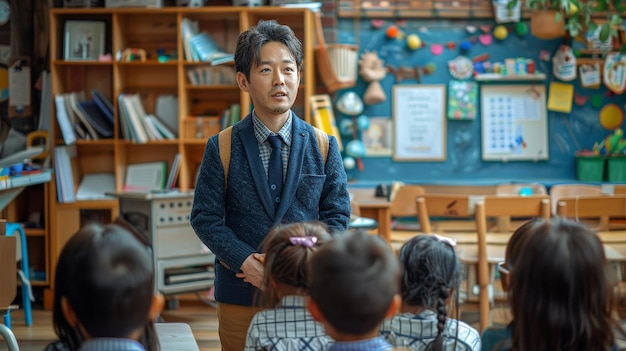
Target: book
[103,103]
[96,118]
[173,175]
[96,186]
[65,124]
[74,100]
[145,177]
[207,49]
[161,127]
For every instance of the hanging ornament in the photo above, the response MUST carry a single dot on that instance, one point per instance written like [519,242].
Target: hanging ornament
[521,29]
[413,42]
[350,104]
[614,72]
[392,32]
[362,122]
[461,67]
[436,49]
[580,100]
[349,163]
[346,127]
[564,64]
[485,39]
[465,46]
[485,28]
[355,148]
[377,23]
[500,32]
[596,100]
[451,46]
[430,68]
[471,29]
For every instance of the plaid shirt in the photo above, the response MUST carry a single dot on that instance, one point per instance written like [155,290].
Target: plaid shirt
[111,344]
[288,327]
[417,331]
[261,132]
[375,344]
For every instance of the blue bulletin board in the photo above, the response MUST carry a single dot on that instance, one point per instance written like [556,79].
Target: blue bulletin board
[514,124]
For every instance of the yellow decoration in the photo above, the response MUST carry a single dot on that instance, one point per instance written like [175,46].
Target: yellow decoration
[560,97]
[500,32]
[611,117]
[572,8]
[413,41]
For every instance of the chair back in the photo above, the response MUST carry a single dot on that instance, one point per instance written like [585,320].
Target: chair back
[592,206]
[559,191]
[444,205]
[403,201]
[517,206]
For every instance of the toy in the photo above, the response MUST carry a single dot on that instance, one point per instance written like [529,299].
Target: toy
[134,54]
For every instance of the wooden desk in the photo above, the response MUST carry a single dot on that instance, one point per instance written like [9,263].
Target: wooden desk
[377,208]
[176,337]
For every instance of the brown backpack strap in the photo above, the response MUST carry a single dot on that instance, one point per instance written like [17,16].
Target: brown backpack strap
[224,140]
[322,142]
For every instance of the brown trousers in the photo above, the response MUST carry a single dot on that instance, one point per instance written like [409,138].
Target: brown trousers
[233,323]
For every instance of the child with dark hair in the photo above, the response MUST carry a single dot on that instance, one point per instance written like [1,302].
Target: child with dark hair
[353,288]
[561,291]
[287,325]
[430,280]
[111,299]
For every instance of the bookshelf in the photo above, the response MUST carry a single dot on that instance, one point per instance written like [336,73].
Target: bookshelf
[158,32]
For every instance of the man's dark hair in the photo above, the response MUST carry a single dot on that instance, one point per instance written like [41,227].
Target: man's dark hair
[250,42]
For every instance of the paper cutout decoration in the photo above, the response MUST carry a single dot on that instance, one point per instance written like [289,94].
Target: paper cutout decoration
[615,72]
[611,117]
[461,67]
[462,100]
[485,39]
[560,97]
[564,64]
[436,49]
[590,75]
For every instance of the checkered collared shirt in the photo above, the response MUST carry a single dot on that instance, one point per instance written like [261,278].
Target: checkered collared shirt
[417,331]
[287,327]
[261,132]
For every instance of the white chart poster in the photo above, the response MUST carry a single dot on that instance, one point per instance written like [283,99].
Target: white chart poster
[419,122]
[514,124]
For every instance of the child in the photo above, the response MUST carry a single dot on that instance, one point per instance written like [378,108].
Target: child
[561,291]
[353,287]
[288,325]
[431,278]
[111,299]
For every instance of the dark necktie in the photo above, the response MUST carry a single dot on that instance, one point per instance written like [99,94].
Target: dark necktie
[275,168]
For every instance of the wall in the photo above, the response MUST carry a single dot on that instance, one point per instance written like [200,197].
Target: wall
[567,133]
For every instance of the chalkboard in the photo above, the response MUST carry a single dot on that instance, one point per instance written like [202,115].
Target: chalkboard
[514,123]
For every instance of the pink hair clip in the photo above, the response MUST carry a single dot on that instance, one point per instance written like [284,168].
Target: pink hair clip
[307,241]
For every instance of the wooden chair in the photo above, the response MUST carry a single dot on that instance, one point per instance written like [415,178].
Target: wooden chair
[8,285]
[481,250]
[559,191]
[402,205]
[521,189]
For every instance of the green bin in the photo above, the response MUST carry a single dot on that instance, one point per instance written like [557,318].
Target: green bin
[590,168]
[616,169]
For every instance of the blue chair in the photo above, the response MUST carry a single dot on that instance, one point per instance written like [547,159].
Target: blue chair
[11,229]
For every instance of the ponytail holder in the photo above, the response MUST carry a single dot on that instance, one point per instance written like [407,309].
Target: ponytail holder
[306,241]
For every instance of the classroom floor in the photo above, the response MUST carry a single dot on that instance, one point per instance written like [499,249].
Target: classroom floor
[200,317]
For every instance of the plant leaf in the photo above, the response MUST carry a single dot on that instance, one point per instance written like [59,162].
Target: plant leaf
[511,5]
[605,31]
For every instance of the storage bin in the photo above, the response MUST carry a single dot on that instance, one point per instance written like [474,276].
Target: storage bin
[616,169]
[590,168]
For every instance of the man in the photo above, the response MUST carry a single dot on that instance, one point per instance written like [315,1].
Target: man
[233,217]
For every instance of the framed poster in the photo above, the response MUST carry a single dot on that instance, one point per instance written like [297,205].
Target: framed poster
[84,40]
[419,122]
[514,123]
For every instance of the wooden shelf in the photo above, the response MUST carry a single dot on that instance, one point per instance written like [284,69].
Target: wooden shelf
[153,30]
[485,77]
[35,232]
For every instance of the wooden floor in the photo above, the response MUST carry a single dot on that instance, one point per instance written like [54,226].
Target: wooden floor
[200,316]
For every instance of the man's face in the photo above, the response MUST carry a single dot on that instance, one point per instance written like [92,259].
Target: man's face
[273,84]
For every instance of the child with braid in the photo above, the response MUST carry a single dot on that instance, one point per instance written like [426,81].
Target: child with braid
[287,325]
[430,280]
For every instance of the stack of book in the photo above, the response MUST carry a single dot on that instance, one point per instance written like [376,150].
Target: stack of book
[200,46]
[137,125]
[84,119]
